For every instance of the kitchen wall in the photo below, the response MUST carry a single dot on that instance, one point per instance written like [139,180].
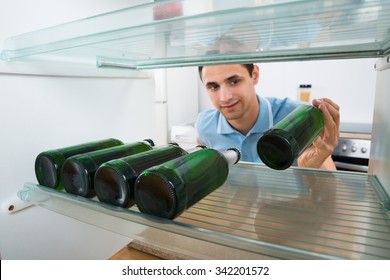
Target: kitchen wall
[350,83]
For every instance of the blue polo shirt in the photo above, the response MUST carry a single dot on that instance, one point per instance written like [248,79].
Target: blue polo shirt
[215,132]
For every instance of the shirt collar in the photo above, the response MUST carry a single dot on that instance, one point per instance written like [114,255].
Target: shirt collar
[224,127]
[264,120]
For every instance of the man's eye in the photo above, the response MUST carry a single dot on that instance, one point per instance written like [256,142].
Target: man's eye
[213,87]
[234,82]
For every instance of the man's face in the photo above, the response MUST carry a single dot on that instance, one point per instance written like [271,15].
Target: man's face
[231,88]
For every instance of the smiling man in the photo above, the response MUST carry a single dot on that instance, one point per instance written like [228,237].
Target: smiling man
[241,116]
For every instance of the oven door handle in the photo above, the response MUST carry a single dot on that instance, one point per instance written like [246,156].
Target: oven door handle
[350,166]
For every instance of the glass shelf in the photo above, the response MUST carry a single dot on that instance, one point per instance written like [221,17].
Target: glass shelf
[193,32]
[258,212]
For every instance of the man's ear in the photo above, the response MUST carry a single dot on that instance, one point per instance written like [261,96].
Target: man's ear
[255,74]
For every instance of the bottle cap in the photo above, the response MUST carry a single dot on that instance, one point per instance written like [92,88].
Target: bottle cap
[173,143]
[238,153]
[150,141]
[195,149]
[202,146]
[160,192]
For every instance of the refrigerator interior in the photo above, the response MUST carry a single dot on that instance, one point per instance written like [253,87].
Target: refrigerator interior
[47,106]
[41,111]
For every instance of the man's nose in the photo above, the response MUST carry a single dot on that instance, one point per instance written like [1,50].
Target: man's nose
[225,94]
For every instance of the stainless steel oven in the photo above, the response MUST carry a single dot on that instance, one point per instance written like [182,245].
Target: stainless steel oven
[353,150]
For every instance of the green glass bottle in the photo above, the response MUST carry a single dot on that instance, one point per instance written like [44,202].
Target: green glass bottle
[281,145]
[115,179]
[78,171]
[48,164]
[166,190]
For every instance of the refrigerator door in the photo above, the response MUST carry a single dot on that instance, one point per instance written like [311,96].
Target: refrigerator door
[380,151]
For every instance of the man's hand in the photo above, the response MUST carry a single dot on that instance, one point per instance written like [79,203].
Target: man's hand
[318,155]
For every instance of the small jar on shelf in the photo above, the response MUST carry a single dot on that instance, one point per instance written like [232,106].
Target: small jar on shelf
[304,92]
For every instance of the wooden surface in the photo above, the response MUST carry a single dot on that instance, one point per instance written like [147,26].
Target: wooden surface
[139,250]
[129,253]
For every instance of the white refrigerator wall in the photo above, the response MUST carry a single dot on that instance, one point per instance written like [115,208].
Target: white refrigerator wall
[38,113]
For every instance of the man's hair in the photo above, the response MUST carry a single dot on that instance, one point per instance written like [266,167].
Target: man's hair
[249,67]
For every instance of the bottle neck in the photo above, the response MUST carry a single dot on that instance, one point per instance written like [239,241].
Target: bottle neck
[232,156]
[195,149]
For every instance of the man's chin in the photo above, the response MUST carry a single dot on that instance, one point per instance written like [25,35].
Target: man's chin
[230,116]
